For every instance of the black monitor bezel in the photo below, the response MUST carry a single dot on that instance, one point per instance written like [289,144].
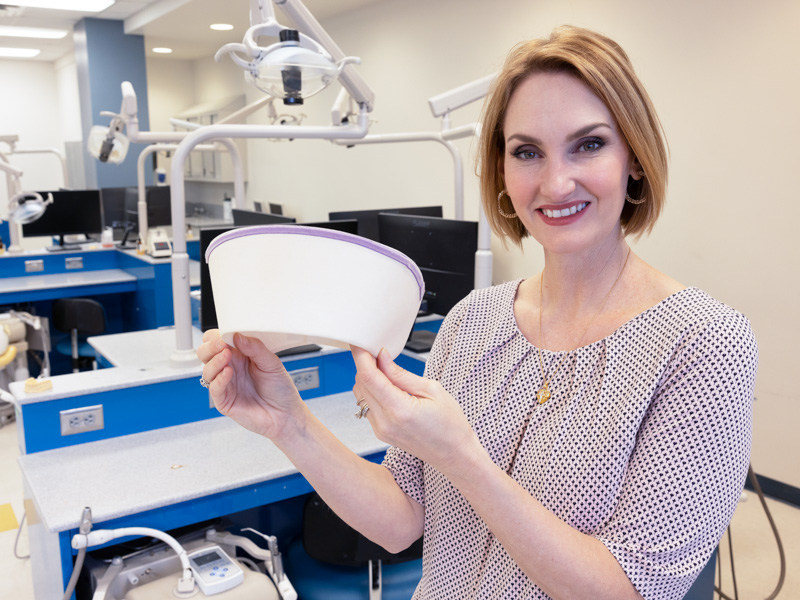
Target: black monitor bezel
[55,222]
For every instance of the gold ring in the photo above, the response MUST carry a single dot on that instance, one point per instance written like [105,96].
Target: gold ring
[362,411]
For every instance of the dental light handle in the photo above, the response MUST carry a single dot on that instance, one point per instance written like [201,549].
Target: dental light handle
[101,536]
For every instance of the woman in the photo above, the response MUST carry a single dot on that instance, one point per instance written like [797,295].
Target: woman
[583,433]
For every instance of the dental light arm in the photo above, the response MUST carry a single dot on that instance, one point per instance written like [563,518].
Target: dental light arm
[446,102]
[304,57]
[350,78]
[62,160]
[101,536]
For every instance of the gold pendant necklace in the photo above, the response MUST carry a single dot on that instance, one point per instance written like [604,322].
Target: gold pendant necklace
[543,395]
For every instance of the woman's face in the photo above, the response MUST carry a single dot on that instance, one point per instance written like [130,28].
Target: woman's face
[566,164]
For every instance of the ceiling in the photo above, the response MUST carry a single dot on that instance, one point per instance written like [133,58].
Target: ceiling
[182,25]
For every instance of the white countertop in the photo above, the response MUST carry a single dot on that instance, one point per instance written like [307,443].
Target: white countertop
[65,280]
[130,474]
[140,358]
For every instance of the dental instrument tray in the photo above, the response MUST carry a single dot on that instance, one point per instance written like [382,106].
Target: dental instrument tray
[290,285]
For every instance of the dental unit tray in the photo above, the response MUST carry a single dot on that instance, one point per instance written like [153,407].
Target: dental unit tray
[151,572]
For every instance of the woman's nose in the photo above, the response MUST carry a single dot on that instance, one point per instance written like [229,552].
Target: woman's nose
[558,180]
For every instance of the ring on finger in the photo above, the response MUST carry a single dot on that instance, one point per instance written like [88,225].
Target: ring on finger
[204,382]
[361,412]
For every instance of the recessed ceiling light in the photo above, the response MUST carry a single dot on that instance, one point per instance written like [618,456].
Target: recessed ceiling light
[33,32]
[80,5]
[19,52]
[221,26]
[162,50]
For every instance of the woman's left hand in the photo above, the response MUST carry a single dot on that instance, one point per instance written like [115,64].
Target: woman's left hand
[413,413]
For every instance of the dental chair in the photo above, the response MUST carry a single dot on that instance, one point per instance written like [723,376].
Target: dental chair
[80,317]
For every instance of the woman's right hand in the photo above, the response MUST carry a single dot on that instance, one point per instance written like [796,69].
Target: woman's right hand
[250,384]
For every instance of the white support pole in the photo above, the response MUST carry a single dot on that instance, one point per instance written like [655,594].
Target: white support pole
[61,159]
[13,175]
[141,205]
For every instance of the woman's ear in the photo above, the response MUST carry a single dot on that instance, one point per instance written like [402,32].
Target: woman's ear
[636,172]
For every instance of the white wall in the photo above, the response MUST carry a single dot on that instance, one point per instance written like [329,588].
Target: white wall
[28,109]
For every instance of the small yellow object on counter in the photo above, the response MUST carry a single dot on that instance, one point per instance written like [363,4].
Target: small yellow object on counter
[37,386]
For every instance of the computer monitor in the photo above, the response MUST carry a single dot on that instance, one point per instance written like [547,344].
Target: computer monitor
[443,249]
[72,212]
[368,219]
[251,217]
[159,207]
[276,209]
[113,206]
[346,225]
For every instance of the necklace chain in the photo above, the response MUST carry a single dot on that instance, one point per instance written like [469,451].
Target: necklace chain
[543,395]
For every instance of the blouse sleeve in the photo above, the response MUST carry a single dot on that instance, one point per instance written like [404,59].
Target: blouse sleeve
[406,468]
[689,463]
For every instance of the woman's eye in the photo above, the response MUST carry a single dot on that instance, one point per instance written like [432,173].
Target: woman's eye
[525,153]
[591,145]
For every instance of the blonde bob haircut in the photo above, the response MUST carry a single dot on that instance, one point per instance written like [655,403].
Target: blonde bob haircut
[601,64]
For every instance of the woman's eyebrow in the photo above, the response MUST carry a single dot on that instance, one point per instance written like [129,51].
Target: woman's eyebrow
[528,139]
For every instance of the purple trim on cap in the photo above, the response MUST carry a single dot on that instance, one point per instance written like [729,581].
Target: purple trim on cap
[324,233]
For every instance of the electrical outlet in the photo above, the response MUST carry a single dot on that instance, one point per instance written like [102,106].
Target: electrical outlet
[305,379]
[81,420]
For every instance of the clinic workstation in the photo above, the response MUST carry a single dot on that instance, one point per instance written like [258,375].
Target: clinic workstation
[201,223]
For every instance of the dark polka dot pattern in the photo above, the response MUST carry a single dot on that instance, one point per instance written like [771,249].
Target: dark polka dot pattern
[644,445]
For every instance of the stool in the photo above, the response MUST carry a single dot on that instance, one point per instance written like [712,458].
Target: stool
[80,317]
[328,562]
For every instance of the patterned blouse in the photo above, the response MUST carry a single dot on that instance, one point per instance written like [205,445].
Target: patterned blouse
[644,444]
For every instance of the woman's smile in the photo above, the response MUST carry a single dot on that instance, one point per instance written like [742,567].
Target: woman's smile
[568,211]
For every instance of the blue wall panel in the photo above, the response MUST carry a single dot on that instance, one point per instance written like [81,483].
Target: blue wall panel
[105,57]
[125,411]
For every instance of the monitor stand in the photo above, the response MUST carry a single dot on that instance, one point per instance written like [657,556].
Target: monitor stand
[62,247]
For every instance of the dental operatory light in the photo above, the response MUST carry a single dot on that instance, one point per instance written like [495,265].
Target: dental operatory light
[26,207]
[108,144]
[294,68]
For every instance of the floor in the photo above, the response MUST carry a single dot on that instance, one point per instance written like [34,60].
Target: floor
[755,551]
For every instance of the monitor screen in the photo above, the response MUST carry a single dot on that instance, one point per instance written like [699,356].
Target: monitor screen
[113,206]
[132,207]
[444,250]
[159,209]
[346,225]
[368,219]
[251,217]
[72,212]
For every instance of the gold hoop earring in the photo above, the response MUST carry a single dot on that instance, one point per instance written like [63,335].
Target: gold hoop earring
[634,200]
[512,215]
